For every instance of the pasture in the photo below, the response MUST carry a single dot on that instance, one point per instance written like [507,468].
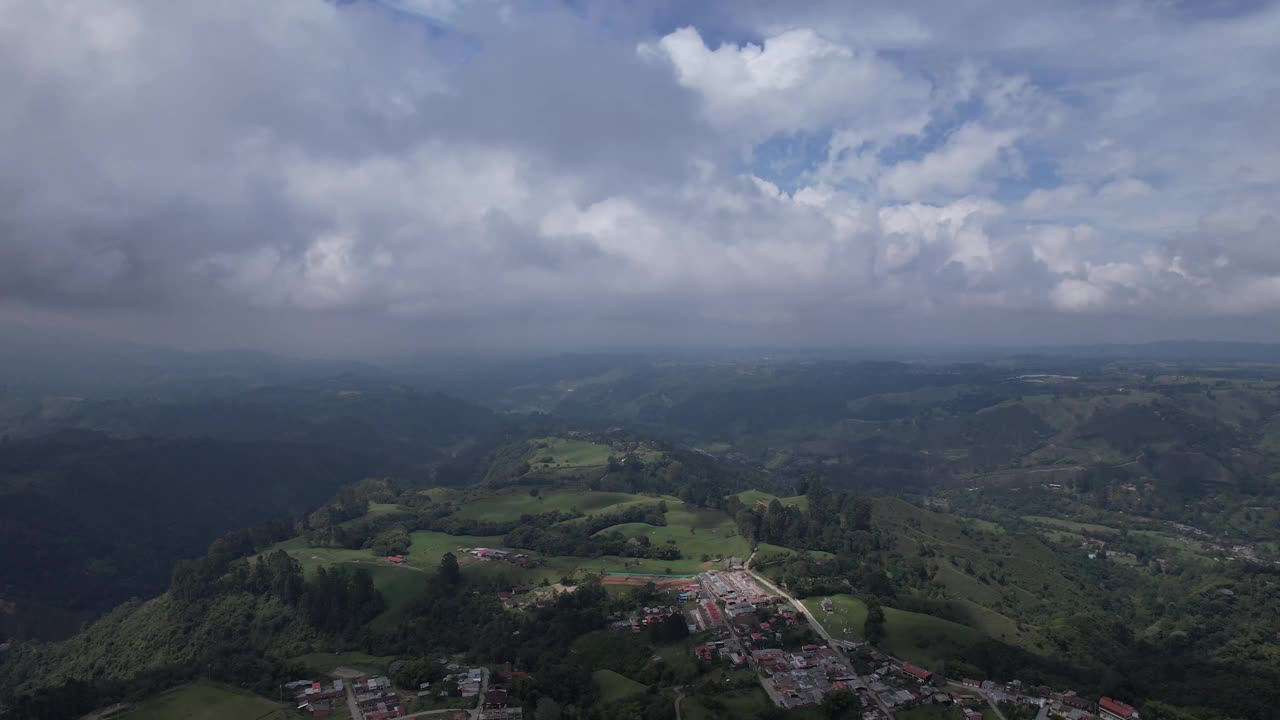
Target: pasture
[329,662]
[510,504]
[567,453]
[922,639]
[614,687]
[206,701]
[751,497]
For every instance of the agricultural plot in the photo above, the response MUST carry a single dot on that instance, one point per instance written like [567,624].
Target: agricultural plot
[206,701]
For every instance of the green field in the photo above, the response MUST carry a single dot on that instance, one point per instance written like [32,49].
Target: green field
[930,712]
[510,505]
[751,497]
[205,701]
[1076,527]
[566,452]
[615,687]
[766,553]
[922,639]
[328,662]
[427,546]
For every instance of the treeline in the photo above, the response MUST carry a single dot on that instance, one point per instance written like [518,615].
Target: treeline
[834,522]
[337,601]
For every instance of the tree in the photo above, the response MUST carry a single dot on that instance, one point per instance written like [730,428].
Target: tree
[547,709]
[839,704]
[873,628]
[449,571]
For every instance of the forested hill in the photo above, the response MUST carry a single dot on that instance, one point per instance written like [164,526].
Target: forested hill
[88,521]
[90,518]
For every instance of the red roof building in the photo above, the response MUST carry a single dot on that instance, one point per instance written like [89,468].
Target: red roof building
[703,652]
[918,673]
[1116,710]
[713,612]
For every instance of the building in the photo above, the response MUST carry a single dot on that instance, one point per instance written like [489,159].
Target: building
[495,699]
[918,673]
[1112,709]
[828,605]
[703,652]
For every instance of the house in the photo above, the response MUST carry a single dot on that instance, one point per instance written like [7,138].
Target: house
[703,652]
[828,605]
[1076,702]
[918,673]
[317,708]
[495,698]
[1112,709]
[971,682]
[395,559]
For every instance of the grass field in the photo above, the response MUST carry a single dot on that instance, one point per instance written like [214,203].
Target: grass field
[930,712]
[749,704]
[751,497]
[328,662]
[1072,526]
[695,531]
[566,452]
[205,701]
[922,639]
[766,552]
[510,505]
[615,687]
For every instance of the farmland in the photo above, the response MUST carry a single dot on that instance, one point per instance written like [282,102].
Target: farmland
[206,701]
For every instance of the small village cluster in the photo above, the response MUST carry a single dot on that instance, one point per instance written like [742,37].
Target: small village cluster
[750,628]
[376,698]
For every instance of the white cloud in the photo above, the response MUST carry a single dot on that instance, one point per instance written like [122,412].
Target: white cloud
[968,155]
[795,80]
[310,157]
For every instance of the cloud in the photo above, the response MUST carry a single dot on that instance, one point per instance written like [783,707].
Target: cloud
[793,81]
[504,174]
[969,153]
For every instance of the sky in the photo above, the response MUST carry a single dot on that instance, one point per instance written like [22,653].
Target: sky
[381,176]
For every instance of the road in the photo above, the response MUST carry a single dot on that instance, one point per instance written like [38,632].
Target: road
[679,698]
[351,702]
[983,694]
[813,622]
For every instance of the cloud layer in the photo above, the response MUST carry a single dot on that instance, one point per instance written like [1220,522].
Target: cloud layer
[453,173]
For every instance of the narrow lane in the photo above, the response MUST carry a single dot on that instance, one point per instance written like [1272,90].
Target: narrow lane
[817,626]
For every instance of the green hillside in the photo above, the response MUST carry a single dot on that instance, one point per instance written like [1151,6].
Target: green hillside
[205,701]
